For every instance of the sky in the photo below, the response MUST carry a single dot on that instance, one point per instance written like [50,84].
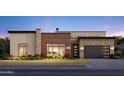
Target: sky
[113,25]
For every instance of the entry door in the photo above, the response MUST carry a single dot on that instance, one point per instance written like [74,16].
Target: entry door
[75,50]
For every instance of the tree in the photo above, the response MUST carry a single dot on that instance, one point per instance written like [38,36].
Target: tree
[4,47]
[119,46]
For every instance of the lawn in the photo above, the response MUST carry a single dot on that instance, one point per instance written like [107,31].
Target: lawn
[45,61]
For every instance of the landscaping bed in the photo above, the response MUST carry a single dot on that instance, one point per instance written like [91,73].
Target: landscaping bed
[45,61]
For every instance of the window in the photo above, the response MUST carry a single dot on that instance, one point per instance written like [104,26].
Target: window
[23,49]
[56,49]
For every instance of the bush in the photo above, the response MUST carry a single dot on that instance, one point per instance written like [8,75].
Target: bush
[14,58]
[4,56]
[117,56]
[55,56]
[29,57]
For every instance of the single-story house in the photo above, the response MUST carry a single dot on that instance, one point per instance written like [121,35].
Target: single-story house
[80,44]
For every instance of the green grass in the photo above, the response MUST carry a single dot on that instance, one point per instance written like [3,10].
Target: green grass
[45,61]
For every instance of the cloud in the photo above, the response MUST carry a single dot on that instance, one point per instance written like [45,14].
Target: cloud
[119,33]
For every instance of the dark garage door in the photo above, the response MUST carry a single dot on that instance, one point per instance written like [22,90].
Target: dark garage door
[96,51]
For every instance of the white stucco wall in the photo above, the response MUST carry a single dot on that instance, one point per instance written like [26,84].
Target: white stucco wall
[28,38]
[88,33]
[76,34]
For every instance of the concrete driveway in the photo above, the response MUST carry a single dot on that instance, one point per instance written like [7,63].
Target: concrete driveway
[106,64]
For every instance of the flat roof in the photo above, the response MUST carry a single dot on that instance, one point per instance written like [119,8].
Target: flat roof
[25,31]
[78,31]
[55,33]
[21,31]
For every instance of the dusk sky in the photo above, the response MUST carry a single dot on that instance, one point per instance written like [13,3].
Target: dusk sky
[113,25]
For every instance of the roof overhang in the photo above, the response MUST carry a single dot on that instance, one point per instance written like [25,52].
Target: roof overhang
[55,33]
[78,31]
[21,31]
[96,38]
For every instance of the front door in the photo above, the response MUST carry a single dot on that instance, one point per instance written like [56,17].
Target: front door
[75,50]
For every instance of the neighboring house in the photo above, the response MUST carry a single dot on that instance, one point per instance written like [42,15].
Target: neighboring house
[80,44]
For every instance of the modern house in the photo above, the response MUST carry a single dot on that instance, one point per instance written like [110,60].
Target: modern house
[80,44]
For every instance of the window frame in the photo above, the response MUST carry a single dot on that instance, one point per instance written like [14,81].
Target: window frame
[24,45]
[55,45]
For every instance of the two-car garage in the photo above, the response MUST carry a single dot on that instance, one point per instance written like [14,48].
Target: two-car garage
[94,51]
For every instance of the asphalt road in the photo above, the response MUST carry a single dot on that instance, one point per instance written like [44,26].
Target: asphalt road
[96,67]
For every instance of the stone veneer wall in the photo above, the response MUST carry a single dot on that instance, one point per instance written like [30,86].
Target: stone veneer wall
[38,42]
[83,42]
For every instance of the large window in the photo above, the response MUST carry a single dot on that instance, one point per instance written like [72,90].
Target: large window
[23,49]
[56,49]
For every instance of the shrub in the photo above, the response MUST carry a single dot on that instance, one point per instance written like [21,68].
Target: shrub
[55,56]
[29,57]
[117,56]
[4,56]
[49,56]
[14,58]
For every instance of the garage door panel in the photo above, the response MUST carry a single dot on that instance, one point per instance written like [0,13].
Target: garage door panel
[96,51]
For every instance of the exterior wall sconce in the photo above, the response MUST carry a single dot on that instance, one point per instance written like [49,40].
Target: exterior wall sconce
[111,48]
[68,47]
[82,48]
